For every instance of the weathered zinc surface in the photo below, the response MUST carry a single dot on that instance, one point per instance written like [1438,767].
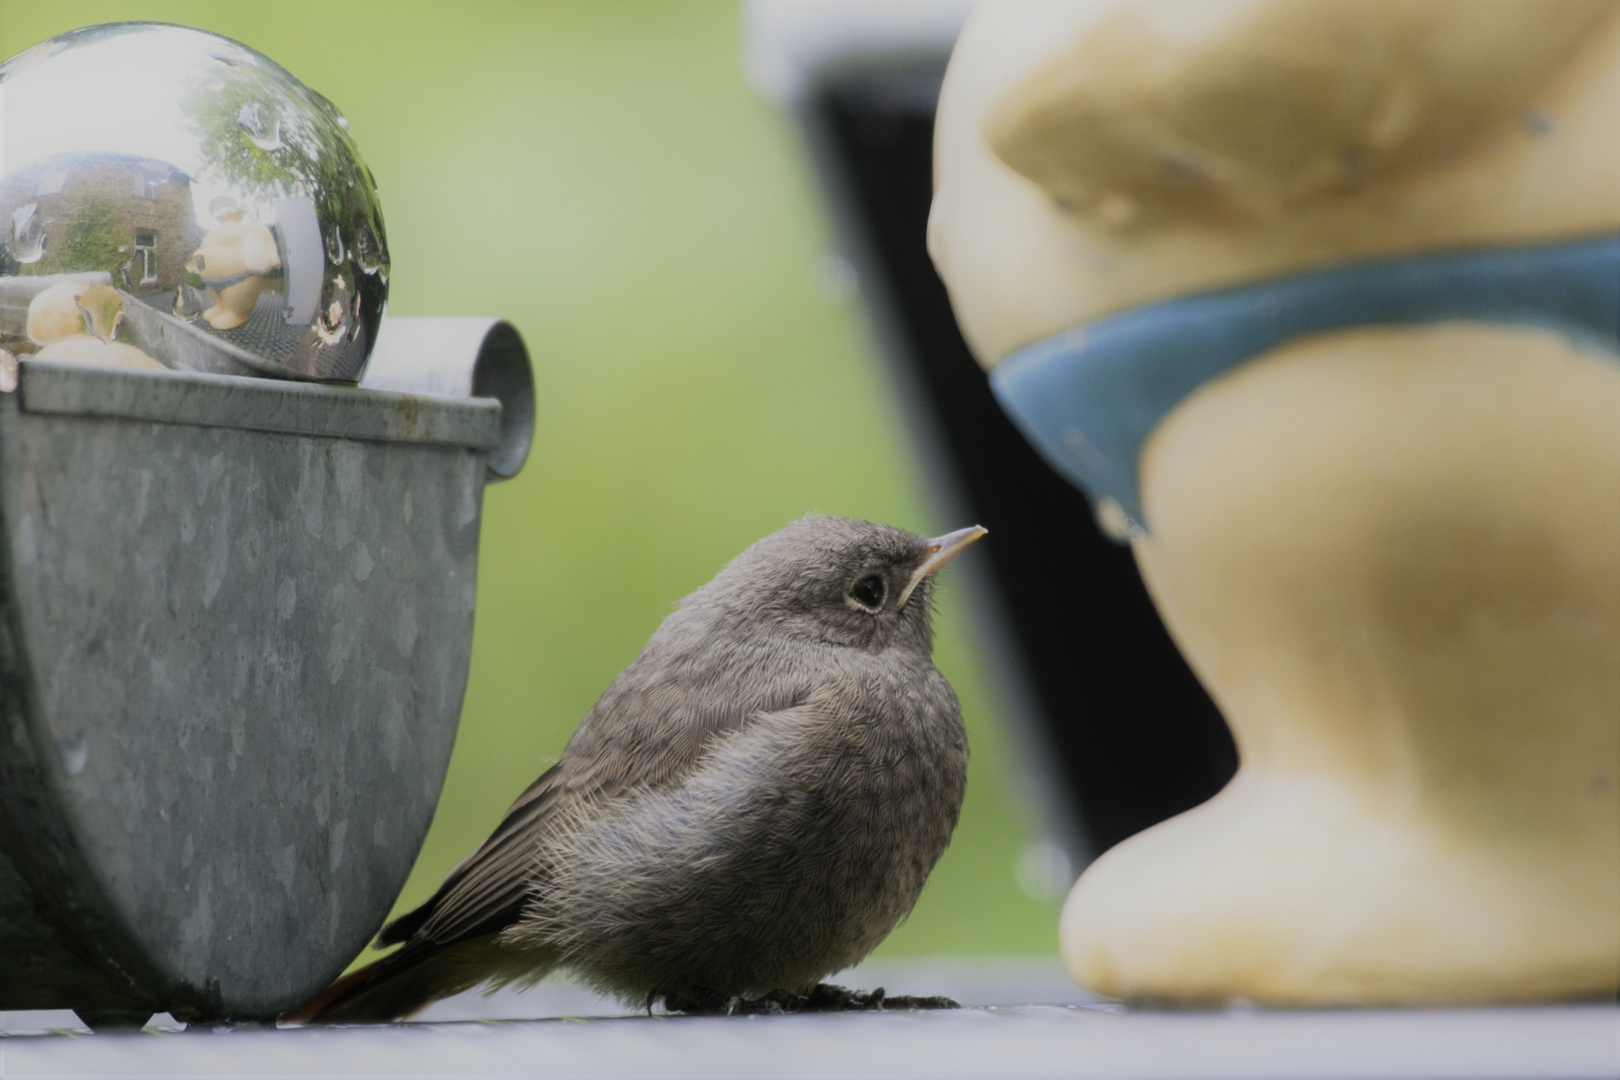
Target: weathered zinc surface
[235,623]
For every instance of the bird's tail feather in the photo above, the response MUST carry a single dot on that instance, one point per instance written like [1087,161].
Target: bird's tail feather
[409,980]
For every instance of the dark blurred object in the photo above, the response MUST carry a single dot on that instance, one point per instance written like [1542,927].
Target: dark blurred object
[1117,730]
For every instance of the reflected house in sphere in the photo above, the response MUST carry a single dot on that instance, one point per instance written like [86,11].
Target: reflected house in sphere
[107,218]
[129,216]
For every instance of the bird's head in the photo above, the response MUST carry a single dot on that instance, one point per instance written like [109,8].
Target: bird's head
[842,581]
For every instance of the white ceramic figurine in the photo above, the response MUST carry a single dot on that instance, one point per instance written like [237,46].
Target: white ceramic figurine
[1317,299]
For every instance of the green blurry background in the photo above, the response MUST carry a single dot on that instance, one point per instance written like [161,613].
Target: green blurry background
[598,173]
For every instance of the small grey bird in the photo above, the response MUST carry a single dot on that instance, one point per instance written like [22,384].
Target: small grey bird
[753,804]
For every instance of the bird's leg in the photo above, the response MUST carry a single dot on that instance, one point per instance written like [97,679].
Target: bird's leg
[824,997]
[699,1002]
[828,998]
[921,1001]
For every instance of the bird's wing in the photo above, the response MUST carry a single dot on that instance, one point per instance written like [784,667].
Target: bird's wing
[662,714]
[488,889]
[650,728]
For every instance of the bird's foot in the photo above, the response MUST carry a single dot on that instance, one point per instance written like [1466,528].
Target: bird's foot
[828,998]
[823,998]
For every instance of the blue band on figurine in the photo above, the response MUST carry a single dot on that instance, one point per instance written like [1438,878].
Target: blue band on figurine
[1087,399]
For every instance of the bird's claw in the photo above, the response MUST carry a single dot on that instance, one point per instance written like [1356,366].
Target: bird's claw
[823,998]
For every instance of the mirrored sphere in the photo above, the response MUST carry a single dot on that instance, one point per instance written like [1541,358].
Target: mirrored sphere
[169,197]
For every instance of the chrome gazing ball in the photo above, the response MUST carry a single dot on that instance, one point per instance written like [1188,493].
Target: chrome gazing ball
[183,197]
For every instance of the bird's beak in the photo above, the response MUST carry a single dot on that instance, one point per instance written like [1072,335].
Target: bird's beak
[941,550]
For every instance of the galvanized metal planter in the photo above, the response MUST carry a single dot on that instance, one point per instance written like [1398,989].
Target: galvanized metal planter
[235,624]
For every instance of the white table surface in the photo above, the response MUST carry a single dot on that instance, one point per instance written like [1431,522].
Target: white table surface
[999,1034]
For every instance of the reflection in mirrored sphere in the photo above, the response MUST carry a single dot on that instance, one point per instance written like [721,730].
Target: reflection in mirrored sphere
[169,195]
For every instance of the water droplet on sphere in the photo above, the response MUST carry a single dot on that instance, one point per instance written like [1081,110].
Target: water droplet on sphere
[27,234]
[261,132]
[367,249]
[331,324]
[188,302]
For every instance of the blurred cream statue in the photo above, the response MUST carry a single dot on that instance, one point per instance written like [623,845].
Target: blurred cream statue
[1316,299]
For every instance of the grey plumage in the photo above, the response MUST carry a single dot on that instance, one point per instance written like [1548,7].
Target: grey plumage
[754,803]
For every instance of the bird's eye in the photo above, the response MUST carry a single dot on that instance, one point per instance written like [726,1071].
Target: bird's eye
[869,591]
